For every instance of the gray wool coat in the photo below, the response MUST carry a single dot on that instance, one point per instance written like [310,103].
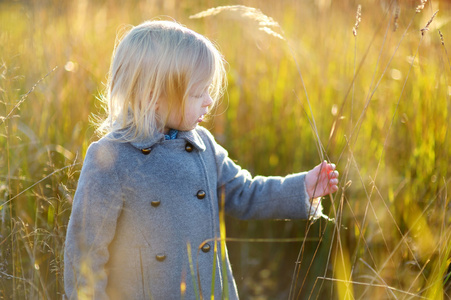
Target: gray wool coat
[139,206]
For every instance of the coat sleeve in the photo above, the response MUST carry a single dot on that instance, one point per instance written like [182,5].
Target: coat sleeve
[261,197]
[97,205]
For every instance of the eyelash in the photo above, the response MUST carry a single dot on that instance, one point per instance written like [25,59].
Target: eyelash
[198,96]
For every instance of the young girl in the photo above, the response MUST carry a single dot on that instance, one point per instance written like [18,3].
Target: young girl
[151,187]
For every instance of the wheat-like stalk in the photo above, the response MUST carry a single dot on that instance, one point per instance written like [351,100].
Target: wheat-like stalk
[265,23]
[441,37]
[24,97]
[442,41]
[426,28]
[396,17]
[421,6]
[358,18]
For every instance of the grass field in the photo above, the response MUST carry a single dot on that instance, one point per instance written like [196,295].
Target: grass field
[376,103]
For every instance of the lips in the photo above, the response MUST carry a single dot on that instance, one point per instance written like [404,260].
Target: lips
[201,118]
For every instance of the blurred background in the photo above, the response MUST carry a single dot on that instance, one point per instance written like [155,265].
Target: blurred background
[376,103]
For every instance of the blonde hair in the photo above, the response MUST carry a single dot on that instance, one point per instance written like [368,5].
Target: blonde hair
[156,60]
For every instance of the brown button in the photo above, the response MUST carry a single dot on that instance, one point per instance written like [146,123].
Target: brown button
[155,203]
[201,194]
[146,151]
[206,248]
[160,257]
[188,147]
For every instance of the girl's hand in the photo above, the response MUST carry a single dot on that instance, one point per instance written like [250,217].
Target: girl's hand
[321,180]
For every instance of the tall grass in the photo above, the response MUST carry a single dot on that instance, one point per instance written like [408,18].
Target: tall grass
[380,101]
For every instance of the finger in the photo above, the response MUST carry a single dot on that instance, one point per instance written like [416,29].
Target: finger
[333,174]
[329,167]
[326,167]
[333,182]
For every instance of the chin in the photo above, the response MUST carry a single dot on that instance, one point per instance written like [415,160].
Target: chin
[187,128]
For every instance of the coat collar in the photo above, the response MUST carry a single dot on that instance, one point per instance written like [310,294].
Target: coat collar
[191,136]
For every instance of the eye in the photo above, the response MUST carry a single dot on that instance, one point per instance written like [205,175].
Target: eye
[201,94]
[198,96]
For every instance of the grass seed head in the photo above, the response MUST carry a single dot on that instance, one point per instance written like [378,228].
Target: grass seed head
[441,37]
[421,6]
[265,23]
[358,18]
[426,28]
[396,17]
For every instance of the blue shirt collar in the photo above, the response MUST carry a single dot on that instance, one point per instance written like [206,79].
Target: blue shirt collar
[172,134]
[190,136]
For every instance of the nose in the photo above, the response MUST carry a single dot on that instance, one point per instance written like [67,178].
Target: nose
[208,101]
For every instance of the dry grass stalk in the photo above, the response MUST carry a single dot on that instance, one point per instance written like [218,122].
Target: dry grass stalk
[24,97]
[357,20]
[441,37]
[265,23]
[421,6]
[396,17]
[426,28]
[442,40]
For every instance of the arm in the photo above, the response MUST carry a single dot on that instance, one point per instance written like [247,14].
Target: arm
[259,197]
[96,208]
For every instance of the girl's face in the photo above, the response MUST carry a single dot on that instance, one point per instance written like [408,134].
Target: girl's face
[196,108]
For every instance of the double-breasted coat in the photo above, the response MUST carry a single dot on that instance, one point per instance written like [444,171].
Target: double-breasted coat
[140,205]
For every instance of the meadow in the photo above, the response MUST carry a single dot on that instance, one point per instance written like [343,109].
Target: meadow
[308,81]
